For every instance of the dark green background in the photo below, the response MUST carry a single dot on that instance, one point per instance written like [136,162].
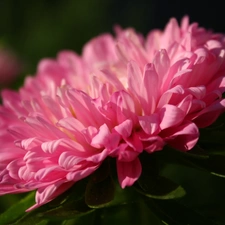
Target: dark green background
[39,29]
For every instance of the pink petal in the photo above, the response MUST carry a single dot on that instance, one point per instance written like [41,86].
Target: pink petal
[135,142]
[51,146]
[150,124]
[128,172]
[99,157]
[197,92]
[170,95]
[210,114]
[162,63]
[83,172]
[99,51]
[183,137]
[46,194]
[68,160]
[150,89]
[126,107]
[134,77]
[171,33]
[101,138]
[71,61]
[112,78]
[170,116]
[154,143]
[51,173]
[125,153]
[125,128]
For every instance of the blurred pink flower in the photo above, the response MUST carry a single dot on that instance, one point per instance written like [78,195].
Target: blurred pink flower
[10,67]
[122,96]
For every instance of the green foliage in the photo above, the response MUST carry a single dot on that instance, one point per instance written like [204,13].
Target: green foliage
[100,188]
[175,188]
[152,184]
[17,210]
[176,213]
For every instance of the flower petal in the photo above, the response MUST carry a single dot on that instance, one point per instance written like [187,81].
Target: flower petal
[128,172]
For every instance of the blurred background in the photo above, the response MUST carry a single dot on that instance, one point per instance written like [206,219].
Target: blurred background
[33,30]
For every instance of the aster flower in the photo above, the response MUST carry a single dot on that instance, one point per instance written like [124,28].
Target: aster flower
[10,67]
[121,97]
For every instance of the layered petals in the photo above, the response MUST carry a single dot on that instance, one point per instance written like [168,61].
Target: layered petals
[122,96]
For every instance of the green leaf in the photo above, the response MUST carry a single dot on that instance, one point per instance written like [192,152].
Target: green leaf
[209,161]
[215,164]
[63,212]
[76,192]
[82,220]
[160,188]
[172,154]
[133,213]
[17,210]
[152,184]
[67,211]
[43,222]
[29,219]
[215,212]
[68,205]
[197,152]
[100,189]
[100,194]
[175,213]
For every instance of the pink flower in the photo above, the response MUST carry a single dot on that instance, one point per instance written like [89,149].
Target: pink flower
[123,96]
[10,67]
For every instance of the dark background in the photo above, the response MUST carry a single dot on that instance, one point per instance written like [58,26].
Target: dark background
[38,29]
[41,28]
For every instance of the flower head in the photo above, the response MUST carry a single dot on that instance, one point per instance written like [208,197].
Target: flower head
[10,67]
[122,96]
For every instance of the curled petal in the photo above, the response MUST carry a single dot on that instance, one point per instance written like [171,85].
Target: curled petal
[128,172]
[81,173]
[208,115]
[183,137]
[122,96]
[46,194]
[150,124]
[125,128]
[170,116]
